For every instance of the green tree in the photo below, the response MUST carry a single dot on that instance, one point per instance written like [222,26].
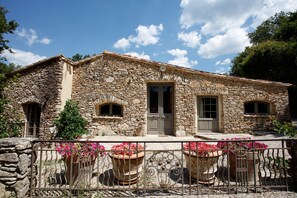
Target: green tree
[273,55]
[78,57]
[8,126]
[70,124]
[281,27]
[6,27]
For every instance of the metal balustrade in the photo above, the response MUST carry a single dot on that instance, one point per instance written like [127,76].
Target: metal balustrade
[164,171]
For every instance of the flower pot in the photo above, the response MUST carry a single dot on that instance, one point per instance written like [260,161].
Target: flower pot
[202,168]
[127,168]
[242,166]
[80,170]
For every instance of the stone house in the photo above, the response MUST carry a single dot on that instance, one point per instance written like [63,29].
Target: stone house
[124,95]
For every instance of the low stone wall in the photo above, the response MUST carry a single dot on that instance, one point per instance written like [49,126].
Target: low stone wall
[15,166]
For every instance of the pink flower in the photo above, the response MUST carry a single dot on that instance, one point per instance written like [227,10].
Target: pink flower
[236,145]
[201,148]
[126,148]
[83,149]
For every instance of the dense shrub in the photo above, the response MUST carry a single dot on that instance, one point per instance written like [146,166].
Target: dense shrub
[70,124]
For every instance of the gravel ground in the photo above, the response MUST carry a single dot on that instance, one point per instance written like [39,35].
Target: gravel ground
[251,195]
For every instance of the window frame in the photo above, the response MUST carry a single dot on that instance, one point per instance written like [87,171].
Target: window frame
[110,110]
[202,104]
[256,108]
[33,112]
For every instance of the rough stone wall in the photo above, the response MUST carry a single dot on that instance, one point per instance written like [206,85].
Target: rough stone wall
[122,81]
[233,106]
[108,80]
[40,84]
[232,96]
[15,167]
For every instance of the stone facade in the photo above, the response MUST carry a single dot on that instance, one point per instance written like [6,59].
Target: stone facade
[123,80]
[40,83]
[15,167]
[119,79]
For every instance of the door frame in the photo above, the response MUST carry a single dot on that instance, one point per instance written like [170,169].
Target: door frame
[218,110]
[161,83]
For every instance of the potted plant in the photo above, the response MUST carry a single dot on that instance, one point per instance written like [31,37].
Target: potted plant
[79,158]
[243,157]
[201,159]
[127,159]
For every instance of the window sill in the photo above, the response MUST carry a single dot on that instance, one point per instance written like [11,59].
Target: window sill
[107,117]
[256,116]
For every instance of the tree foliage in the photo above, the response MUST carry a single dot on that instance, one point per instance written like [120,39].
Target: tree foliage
[70,124]
[270,60]
[6,27]
[78,57]
[281,27]
[273,54]
[8,122]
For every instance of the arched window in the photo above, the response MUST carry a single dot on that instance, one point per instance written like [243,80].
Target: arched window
[110,109]
[256,107]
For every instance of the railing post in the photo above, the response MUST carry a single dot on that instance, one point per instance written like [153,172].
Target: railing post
[33,172]
[294,162]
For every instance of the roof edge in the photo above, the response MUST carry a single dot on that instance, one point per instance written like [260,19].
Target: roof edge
[27,67]
[136,59]
[89,59]
[193,71]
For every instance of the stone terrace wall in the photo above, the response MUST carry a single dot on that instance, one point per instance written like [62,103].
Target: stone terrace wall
[15,166]
[114,79]
[40,84]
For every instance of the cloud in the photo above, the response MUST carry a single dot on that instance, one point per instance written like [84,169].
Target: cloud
[181,58]
[224,62]
[191,39]
[45,41]
[222,70]
[232,41]
[217,16]
[224,24]
[146,35]
[122,44]
[142,55]
[19,57]
[271,7]
[31,37]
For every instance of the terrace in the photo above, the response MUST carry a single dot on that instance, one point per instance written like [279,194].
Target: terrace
[164,170]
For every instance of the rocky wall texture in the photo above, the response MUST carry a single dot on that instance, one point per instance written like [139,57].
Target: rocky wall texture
[112,79]
[39,84]
[15,167]
[115,79]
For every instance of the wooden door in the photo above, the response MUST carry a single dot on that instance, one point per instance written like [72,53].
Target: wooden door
[208,115]
[160,109]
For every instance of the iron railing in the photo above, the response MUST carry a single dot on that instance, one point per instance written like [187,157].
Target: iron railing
[165,170]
